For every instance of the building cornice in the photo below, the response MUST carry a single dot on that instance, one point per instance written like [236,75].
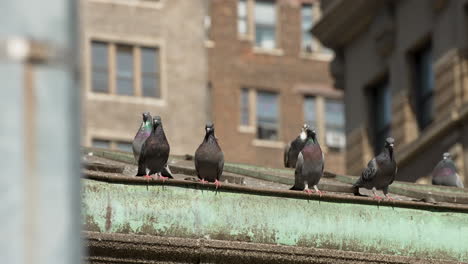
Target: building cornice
[344,20]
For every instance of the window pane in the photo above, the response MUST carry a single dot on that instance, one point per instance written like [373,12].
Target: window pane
[310,111]
[100,69]
[149,60]
[99,53]
[100,82]
[125,70]
[307,22]
[334,116]
[100,143]
[265,17]
[267,115]
[245,107]
[424,86]
[124,146]
[242,17]
[150,86]
[150,72]
[381,114]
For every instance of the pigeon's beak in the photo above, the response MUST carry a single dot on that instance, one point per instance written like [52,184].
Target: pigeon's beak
[391,145]
[208,129]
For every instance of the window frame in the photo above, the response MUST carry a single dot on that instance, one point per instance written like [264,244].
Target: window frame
[274,3]
[312,40]
[423,98]
[278,115]
[378,135]
[112,40]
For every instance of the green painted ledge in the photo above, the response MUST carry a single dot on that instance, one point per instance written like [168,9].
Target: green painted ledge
[236,213]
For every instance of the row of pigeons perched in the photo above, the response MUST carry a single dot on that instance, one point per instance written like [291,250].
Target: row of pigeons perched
[151,150]
[304,154]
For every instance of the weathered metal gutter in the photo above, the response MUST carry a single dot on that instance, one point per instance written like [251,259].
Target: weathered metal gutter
[191,210]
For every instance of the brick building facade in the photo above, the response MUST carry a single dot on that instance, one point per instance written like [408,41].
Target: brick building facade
[268,76]
[250,66]
[403,68]
[146,55]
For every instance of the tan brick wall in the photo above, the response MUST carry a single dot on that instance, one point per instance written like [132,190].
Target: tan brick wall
[235,64]
[176,27]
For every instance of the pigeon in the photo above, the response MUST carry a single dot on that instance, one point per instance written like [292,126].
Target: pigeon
[209,158]
[446,173]
[310,165]
[154,152]
[143,133]
[291,151]
[380,172]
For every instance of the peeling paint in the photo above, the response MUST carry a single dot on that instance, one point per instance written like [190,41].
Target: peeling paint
[193,213]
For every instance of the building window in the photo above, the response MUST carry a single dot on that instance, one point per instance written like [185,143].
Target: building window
[310,111]
[335,123]
[244,107]
[267,115]
[424,86]
[100,67]
[123,146]
[112,144]
[307,22]
[150,72]
[101,143]
[242,21]
[127,75]
[381,114]
[124,70]
[265,24]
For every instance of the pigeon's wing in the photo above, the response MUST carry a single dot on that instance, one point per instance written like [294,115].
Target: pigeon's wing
[195,160]
[141,162]
[286,156]
[220,166]
[370,171]
[298,183]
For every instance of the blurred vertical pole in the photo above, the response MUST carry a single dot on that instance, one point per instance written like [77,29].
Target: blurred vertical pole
[39,132]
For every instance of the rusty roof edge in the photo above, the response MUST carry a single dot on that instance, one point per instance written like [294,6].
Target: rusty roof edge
[270,192]
[119,248]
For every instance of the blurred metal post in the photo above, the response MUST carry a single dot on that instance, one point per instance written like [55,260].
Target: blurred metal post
[39,132]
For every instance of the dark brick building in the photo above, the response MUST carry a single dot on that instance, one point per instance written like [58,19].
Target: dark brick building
[267,77]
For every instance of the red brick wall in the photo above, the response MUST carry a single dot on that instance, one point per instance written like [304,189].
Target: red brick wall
[234,64]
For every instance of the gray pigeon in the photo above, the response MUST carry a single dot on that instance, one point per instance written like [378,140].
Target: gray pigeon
[310,164]
[154,152]
[209,158]
[291,151]
[446,173]
[143,133]
[380,172]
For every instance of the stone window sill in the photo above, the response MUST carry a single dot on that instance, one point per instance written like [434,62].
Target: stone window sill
[209,43]
[268,143]
[316,56]
[273,52]
[156,4]
[247,129]
[126,99]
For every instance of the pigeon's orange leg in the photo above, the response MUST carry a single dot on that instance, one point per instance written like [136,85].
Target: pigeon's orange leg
[318,191]
[378,198]
[217,183]
[202,181]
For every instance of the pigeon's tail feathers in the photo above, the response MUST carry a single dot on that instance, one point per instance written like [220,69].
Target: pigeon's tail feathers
[141,167]
[294,188]
[166,172]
